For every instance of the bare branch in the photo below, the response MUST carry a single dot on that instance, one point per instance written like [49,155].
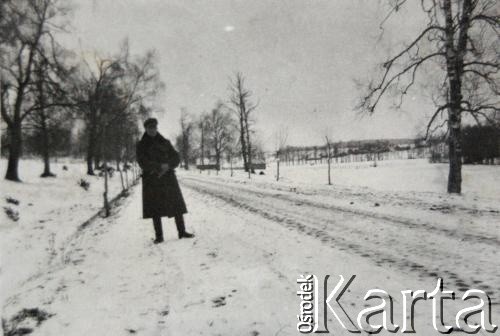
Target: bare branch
[439,110]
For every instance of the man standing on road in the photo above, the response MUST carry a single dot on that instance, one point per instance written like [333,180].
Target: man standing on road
[161,194]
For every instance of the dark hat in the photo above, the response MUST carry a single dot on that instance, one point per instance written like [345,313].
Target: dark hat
[150,122]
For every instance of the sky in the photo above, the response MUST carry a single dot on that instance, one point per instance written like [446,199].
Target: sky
[300,60]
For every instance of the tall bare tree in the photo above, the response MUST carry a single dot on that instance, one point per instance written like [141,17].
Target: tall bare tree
[243,108]
[92,91]
[127,82]
[459,42]
[202,125]
[50,117]
[185,138]
[220,131]
[328,146]
[280,142]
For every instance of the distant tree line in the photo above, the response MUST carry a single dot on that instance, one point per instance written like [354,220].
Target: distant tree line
[226,134]
[480,144]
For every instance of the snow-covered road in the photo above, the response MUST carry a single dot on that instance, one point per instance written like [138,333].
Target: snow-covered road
[238,276]
[429,249]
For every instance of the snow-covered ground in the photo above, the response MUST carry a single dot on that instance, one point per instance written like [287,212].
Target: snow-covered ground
[392,175]
[392,226]
[49,210]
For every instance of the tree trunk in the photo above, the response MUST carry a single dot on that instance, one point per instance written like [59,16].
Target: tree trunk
[15,148]
[90,166]
[243,143]
[454,66]
[185,149]
[105,193]
[46,150]
[217,160]
[329,161]
[46,146]
[455,152]
[97,160]
[249,148]
[90,154]
[121,179]
[186,162]
[43,122]
[99,154]
[202,145]
[329,171]
[231,163]
[278,169]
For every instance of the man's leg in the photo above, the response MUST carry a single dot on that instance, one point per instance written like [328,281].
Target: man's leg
[181,228]
[158,230]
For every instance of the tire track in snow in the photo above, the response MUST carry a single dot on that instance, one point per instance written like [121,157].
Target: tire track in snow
[432,260]
[396,221]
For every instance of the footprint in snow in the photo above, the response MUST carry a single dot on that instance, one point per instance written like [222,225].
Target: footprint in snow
[219,301]
[164,312]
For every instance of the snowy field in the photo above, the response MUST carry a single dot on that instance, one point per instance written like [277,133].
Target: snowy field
[393,226]
[408,176]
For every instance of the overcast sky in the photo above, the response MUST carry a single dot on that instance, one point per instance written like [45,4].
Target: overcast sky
[300,59]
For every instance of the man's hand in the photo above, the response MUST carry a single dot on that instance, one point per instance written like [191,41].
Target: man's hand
[163,169]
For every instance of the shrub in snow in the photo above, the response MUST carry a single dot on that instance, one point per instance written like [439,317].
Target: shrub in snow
[11,213]
[65,167]
[84,184]
[12,200]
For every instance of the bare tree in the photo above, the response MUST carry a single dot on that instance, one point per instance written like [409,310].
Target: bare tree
[29,27]
[92,91]
[112,95]
[128,82]
[243,108]
[202,125]
[280,141]
[185,138]
[121,138]
[51,97]
[329,158]
[231,150]
[220,131]
[460,42]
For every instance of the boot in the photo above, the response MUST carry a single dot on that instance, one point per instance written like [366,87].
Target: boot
[181,228]
[158,230]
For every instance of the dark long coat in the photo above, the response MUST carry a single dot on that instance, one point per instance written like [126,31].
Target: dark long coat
[161,196]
